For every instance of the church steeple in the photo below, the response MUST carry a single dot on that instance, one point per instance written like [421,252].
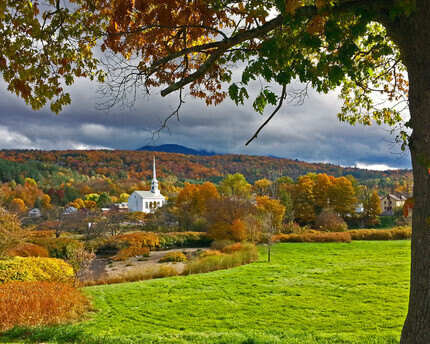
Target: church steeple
[154,182]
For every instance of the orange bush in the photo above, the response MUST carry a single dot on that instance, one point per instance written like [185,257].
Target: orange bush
[232,248]
[29,250]
[315,237]
[43,234]
[131,251]
[39,303]
[138,239]
[399,233]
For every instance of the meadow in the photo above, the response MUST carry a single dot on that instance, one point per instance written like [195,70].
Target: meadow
[327,293]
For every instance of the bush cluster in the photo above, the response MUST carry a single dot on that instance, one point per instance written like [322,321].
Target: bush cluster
[314,236]
[43,234]
[247,254]
[184,239]
[39,303]
[35,269]
[398,233]
[174,257]
[330,222]
[236,247]
[28,250]
[130,252]
[135,275]
[62,248]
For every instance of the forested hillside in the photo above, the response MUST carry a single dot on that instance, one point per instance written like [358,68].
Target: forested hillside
[137,164]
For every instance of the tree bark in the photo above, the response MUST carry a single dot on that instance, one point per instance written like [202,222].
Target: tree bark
[412,35]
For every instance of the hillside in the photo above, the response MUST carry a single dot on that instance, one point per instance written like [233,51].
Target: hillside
[138,164]
[172,148]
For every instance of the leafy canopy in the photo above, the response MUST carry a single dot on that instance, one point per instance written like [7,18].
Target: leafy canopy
[176,43]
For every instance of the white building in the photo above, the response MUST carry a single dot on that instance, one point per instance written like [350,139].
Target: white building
[391,202]
[146,201]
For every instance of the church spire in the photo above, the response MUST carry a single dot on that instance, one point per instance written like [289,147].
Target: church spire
[154,183]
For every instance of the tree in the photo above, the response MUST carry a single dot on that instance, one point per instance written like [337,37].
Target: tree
[342,197]
[11,233]
[270,212]
[373,208]
[235,185]
[359,45]
[304,199]
[322,190]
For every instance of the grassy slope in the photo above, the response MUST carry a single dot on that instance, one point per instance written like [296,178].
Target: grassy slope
[309,293]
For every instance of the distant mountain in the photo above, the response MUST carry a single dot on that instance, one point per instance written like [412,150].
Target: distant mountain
[172,148]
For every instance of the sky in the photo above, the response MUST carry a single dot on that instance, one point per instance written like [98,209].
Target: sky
[310,132]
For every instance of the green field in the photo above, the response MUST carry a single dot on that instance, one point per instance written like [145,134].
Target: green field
[308,293]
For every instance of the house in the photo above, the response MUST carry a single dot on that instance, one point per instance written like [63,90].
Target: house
[390,203]
[147,201]
[35,212]
[70,210]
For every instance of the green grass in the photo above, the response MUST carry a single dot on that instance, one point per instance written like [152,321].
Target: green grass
[309,293]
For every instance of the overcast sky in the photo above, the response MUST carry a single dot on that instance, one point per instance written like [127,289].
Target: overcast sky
[310,132]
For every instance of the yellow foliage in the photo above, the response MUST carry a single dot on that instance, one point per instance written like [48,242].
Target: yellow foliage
[30,269]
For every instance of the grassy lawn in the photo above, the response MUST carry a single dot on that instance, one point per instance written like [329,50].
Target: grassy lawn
[308,293]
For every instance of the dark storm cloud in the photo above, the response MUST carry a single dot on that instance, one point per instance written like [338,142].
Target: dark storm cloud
[310,132]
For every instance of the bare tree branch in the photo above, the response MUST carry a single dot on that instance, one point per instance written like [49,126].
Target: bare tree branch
[281,100]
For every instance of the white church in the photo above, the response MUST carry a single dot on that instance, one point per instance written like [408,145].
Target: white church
[147,201]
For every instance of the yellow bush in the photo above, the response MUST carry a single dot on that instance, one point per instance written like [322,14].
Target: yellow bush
[31,269]
[173,257]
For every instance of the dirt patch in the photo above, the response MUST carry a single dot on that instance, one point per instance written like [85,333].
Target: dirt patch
[104,268]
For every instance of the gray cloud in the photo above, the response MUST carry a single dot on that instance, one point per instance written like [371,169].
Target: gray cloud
[310,132]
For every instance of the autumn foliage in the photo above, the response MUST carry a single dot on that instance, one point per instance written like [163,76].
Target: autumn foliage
[28,250]
[31,269]
[40,303]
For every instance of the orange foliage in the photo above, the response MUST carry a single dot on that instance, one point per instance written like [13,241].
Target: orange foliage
[43,234]
[130,252]
[314,237]
[236,247]
[150,240]
[39,303]
[29,250]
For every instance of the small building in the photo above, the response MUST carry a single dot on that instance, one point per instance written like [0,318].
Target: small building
[147,201]
[35,212]
[391,202]
[121,206]
[70,210]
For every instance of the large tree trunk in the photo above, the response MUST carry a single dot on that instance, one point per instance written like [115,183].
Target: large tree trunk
[412,34]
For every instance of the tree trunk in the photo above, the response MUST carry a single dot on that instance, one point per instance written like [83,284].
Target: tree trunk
[412,35]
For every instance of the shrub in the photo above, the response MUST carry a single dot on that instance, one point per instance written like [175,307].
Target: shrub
[142,239]
[39,303]
[248,254]
[174,257]
[43,234]
[131,251]
[28,250]
[232,248]
[35,269]
[293,227]
[184,239]
[220,244]
[315,237]
[62,248]
[210,253]
[136,274]
[330,222]
[398,233]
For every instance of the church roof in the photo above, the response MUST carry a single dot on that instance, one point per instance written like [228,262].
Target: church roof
[148,194]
